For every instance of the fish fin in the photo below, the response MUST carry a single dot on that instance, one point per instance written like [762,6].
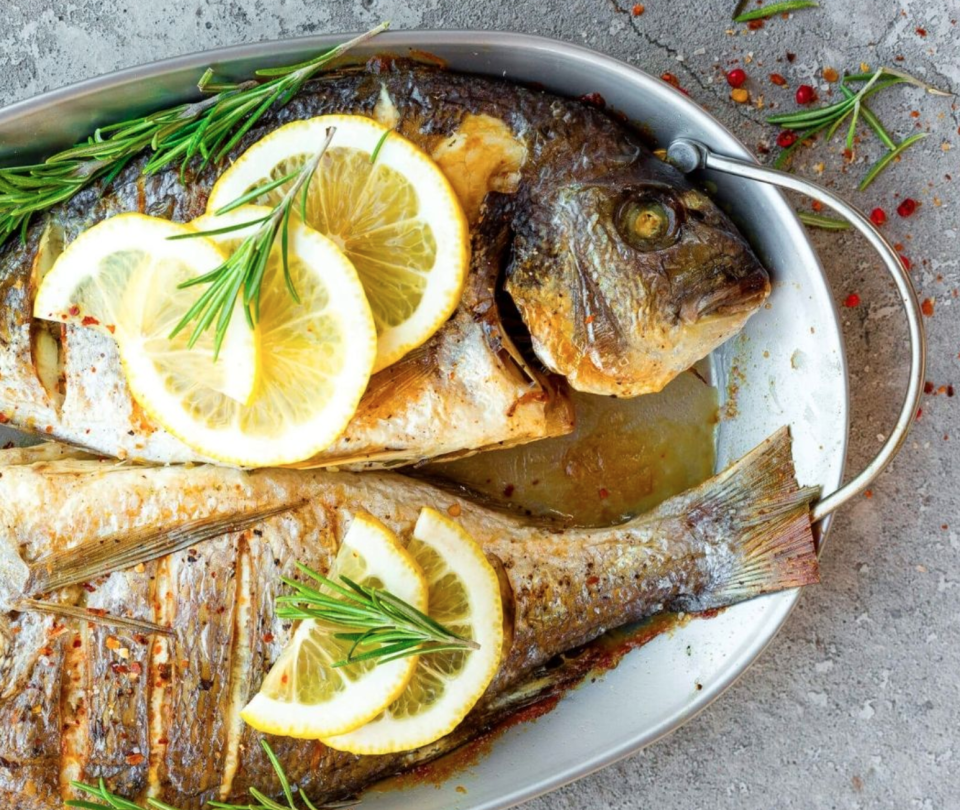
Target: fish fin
[759,510]
[141,545]
[94,616]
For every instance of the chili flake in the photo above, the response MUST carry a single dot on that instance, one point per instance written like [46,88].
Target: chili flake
[670,79]
[907,264]
[89,320]
[830,75]
[928,387]
[927,307]
[638,9]
[778,80]
[603,492]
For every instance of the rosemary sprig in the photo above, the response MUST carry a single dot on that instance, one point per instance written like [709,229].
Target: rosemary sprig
[244,269]
[775,8]
[853,105]
[111,801]
[380,626]
[207,129]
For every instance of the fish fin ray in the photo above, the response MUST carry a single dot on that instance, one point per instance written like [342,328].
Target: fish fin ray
[93,616]
[141,545]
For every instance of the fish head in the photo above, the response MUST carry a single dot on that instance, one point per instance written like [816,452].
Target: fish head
[626,280]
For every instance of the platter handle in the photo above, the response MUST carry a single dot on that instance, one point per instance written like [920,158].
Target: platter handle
[689,155]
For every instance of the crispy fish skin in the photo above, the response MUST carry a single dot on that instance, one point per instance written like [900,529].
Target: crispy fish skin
[623,274]
[745,532]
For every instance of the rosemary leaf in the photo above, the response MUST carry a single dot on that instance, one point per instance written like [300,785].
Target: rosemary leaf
[874,171]
[775,8]
[820,221]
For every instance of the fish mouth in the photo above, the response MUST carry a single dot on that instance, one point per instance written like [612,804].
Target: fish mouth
[743,295]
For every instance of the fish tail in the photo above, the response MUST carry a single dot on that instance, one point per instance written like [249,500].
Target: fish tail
[762,516]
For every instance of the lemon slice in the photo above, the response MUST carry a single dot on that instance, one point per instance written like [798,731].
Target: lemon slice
[397,218]
[316,356]
[121,278]
[303,695]
[464,596]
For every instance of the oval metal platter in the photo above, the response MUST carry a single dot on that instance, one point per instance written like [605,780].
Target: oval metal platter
[786,367]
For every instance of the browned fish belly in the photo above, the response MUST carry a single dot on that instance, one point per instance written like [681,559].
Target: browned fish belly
[159,714]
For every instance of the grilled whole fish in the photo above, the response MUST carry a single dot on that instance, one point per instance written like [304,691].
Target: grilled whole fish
[622,272]
[158,713]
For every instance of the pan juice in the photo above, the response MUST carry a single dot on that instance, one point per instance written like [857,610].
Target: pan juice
[623,458]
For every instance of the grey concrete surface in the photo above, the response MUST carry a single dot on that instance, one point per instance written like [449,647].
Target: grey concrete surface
[855,703]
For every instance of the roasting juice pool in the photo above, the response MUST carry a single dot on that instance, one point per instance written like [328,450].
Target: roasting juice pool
[623,458]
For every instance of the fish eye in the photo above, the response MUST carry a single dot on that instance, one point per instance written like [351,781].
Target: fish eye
[648,222]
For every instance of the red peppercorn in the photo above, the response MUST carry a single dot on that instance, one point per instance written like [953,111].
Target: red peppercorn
[806,94]
[736,77]
[878,216]
[907,207]
[852,300]
[907,264]
[786,138]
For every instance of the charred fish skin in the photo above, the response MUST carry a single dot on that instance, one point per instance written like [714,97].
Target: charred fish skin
[745,532]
